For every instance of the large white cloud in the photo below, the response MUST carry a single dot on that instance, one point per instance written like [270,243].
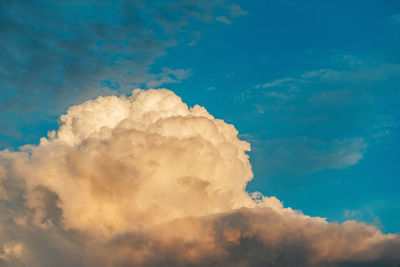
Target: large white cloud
[145,180]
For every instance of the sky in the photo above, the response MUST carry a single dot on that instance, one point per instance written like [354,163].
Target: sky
[311,86]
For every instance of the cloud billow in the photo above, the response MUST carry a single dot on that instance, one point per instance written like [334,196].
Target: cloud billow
[144,180]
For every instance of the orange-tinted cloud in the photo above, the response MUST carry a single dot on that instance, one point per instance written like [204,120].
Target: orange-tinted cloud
[145,180]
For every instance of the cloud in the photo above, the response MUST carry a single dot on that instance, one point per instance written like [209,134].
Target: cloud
[145,180]
[224,19]
[395,19]
[234,11]
[350,81]
[167,75]
[55,54]
[316,154]
[328,115]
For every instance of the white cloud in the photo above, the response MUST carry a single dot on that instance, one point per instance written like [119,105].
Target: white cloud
[224,19]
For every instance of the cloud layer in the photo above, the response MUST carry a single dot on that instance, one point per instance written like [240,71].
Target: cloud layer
[54,54]
[145,180]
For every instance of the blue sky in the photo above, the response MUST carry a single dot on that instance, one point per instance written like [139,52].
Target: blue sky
[312,85]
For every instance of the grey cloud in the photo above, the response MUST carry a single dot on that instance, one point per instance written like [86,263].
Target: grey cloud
[307,155]
[54,54]
[395,19]
[361,79]
[167,75]
[245,237]
[328,115]
[236,10]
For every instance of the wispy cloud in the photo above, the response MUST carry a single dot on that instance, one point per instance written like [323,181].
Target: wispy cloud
[319,95]
[395,19]
[167,76]
[328,115]
[365,213]
[236,10]
[57,54]
[303,155]
[224,19]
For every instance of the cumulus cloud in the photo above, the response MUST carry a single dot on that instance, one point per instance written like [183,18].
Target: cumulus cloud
[145,180]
